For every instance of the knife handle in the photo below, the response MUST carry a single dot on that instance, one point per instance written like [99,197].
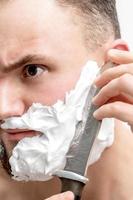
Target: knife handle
[74,186]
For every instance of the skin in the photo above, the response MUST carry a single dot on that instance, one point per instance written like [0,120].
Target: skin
[115,83]
[50,31]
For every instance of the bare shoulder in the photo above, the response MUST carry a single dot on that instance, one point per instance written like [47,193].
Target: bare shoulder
[111,177]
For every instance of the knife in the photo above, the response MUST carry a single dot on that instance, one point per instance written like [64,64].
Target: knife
[73,176]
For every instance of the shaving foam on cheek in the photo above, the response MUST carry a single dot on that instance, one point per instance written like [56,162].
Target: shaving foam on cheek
[39,157]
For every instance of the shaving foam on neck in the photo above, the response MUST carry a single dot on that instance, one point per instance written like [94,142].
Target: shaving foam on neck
[39,157]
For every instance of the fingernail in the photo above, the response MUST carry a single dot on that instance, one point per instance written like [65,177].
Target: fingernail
[95,114]
[96,80]
[69,195]
[94,101]
[113,52]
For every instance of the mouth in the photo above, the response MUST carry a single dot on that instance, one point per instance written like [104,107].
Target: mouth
[14,135]
[17,135]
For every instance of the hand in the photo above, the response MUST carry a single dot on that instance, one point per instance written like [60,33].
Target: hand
[115,98]
[63,196]
[111,178]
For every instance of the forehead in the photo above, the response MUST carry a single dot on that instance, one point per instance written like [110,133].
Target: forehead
[29,25]
[29,19]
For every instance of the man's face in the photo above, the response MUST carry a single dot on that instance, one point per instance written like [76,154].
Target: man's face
[42,52]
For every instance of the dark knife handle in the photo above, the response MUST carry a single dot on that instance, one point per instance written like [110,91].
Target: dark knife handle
[74,186]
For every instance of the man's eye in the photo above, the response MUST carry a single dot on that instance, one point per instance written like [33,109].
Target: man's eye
[33,70]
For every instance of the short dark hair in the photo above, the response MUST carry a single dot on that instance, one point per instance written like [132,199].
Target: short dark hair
[99,18]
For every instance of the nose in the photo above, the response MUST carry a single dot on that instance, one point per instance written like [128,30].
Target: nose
[11,103]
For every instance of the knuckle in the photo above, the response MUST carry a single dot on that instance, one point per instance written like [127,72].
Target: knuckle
[107,72]
[115,107]
[131,116]
[130,68]
[124,79]
[127,68]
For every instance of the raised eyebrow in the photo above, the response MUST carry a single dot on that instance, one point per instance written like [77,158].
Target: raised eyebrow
[21,62]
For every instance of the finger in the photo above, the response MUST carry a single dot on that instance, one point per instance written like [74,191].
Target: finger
[120,57]
[113,73]
[63,196]
[114,88]
[118,110]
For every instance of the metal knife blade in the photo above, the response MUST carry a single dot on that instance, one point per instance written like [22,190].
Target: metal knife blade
[78,162]
[91,127]
[73,175]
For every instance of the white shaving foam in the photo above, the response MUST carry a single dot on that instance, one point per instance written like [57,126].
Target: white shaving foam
[39,157]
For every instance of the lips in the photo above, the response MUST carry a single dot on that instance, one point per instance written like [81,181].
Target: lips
[16,135]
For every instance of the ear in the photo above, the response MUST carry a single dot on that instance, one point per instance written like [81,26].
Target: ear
[120,44]
[116,44]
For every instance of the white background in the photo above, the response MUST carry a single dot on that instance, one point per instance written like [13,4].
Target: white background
[125,13]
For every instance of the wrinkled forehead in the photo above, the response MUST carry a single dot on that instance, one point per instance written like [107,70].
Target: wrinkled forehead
[27,25]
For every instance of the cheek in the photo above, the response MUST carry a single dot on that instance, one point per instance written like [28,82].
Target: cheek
[48,92]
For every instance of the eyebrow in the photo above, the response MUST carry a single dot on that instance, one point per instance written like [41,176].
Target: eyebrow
[21,62]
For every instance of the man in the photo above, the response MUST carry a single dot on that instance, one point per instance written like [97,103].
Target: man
[44,45]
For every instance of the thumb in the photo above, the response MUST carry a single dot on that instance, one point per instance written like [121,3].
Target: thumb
[62,196]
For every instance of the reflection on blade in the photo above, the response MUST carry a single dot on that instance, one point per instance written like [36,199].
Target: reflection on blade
[90,128]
